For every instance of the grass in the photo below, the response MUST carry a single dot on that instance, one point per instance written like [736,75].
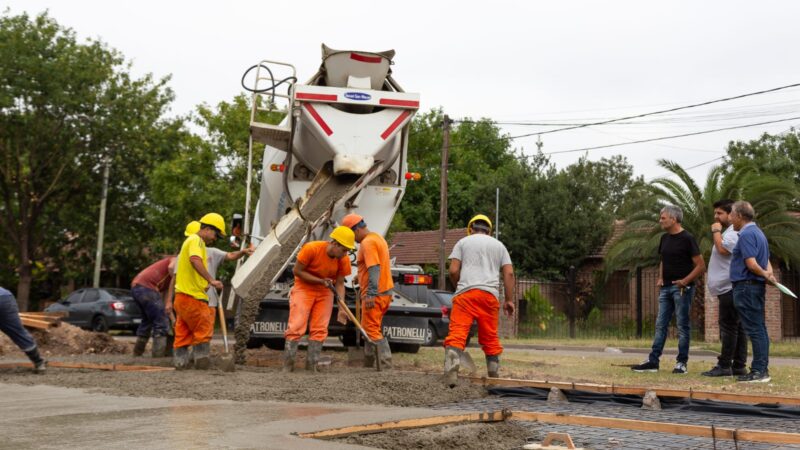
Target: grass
[782,349]
[605,370]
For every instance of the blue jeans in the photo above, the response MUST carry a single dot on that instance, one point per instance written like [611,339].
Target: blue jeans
[749,302]
[12,326]
[671,301]
[154,318]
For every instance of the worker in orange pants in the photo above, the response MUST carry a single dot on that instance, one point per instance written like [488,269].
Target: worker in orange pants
[375,282]
[193,326]
[320,266]
[474,264]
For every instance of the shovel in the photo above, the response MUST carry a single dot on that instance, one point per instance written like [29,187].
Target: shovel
[353,319]
[226,362]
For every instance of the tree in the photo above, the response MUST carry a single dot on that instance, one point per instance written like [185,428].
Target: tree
[64,108]
[777,155]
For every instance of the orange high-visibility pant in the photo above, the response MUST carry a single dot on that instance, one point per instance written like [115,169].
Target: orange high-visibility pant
[212,313]
[372,318]
[469,306]
[309,310]
[194,325]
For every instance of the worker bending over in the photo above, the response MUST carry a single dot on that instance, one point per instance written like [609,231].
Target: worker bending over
[320,266]
[152,290]
[375,282]
[11,325]
[475,265]
[194,325]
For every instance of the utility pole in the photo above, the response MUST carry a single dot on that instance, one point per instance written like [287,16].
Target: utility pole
[443,202]
[497,214]
[101,229]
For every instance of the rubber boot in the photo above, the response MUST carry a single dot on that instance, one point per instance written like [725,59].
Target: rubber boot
[169,351]
[289,354]
[385,353]
[202,360]
[312,355]
[493,366]
[369,354]
[452,362]
[39,364]
[141,343]
[159,347]
[181,358]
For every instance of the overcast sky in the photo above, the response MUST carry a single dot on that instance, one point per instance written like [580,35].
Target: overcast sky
[545,62]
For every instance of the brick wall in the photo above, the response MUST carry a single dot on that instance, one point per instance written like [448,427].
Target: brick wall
[773,313]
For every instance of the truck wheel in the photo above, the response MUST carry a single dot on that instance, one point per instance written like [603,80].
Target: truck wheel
[404,348]
[254,343]
[275,344]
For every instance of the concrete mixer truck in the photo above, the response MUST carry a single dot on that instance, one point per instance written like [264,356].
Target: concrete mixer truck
[340,148]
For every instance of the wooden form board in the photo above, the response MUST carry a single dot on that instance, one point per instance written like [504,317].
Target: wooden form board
[488,416]
[773,437]
[107,367]
[638,390]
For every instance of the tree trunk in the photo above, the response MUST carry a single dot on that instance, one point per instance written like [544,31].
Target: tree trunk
[24,285]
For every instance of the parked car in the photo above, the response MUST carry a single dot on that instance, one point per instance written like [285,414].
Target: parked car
[100,309]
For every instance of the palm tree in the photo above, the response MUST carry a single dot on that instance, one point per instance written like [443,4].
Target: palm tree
[771,197]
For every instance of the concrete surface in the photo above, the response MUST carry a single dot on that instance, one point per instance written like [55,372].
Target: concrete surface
[47,417]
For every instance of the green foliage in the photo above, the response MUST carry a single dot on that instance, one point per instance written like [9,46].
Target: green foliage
[538,308]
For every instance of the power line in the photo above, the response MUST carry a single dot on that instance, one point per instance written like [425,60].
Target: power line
[662,138]
[637,116]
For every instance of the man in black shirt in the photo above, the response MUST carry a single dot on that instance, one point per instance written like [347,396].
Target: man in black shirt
[681,264]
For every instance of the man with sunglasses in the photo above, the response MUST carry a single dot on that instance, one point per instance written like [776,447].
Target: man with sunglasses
[194,326]
[375,282]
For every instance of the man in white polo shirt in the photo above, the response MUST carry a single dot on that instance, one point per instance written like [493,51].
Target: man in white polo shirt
[733,357]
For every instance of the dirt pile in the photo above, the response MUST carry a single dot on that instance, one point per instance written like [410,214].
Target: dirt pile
[67,339]
[477,436]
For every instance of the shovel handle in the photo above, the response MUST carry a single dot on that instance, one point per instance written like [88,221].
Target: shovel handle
[222,323]
[350,315]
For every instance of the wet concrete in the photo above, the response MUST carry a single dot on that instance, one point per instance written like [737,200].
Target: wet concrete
[48,417]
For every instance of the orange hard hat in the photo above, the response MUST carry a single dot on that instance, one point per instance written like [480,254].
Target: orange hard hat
[351,220]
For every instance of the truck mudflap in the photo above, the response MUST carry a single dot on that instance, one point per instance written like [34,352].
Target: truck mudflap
[401,325]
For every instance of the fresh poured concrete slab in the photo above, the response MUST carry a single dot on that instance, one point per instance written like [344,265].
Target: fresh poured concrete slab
[49,417]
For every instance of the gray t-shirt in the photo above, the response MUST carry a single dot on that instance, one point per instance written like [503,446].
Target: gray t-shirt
[214,257]
[719,267]
[481,257]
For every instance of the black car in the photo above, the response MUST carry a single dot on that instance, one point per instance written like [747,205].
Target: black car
[100,309]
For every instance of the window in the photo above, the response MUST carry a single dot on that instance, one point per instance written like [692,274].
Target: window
[91,296]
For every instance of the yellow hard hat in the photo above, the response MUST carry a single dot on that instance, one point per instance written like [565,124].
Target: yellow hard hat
[480,217]
[344,236]
[215,220]
[192,228]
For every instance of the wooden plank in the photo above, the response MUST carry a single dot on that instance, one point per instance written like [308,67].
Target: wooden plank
[640,391]
[772,437]
[90,366]
[35,323]
[55,314]
[488,416]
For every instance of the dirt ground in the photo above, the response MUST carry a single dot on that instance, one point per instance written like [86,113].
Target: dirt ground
[66,339]
[341,384]
[474,436]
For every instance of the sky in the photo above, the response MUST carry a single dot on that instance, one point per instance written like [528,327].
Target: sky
[555,62]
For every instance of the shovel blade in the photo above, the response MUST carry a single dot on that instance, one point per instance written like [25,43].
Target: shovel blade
[467,363]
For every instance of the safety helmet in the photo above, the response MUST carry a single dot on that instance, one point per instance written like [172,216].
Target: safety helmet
[351,220]
[192,228]
[215,220]
[479,217]
[344,236]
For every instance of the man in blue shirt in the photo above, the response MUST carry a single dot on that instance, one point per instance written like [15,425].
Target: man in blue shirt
[11,325]
[750,270]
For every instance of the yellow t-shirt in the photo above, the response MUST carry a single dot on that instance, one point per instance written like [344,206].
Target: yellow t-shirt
[187,280]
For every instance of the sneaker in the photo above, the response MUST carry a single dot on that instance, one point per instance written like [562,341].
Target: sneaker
[718,371]
[680,368]
[755,377]
[646,366]
[739,370]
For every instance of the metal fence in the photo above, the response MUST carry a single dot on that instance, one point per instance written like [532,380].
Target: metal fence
[625,306]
